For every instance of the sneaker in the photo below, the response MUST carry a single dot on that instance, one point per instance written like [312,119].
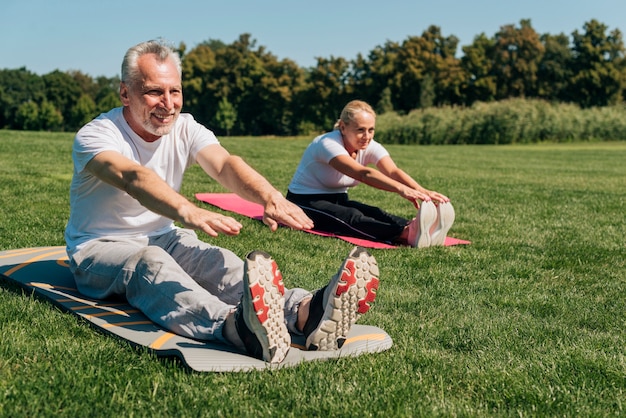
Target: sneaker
[419,228]
[445,214]
[260,317]
[338,305]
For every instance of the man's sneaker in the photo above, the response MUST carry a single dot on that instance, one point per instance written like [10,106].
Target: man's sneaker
[260,316]
[336,306]
[419,228]
[445,214]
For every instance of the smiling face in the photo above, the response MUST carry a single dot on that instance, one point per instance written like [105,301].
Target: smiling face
[152,104]
[358,132]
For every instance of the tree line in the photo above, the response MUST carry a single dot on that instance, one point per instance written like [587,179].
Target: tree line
[243,89]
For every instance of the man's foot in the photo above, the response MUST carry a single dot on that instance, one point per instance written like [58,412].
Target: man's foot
[260,317]
[419,228]
[336,306]
[445,214]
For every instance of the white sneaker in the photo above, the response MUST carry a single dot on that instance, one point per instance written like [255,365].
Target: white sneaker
[419,228]
[259,317]
[445,215]
[335,307]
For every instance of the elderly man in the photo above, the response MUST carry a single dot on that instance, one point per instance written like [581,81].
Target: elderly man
[122,239]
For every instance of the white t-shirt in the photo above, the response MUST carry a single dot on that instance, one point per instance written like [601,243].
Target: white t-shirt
[99,210]
[315,176]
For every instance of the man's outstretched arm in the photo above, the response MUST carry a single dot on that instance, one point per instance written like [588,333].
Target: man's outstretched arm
[236,175]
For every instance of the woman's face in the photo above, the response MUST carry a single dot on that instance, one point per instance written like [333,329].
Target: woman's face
[358,133]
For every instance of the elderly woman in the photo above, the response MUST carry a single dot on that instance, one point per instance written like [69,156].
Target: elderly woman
[338,160]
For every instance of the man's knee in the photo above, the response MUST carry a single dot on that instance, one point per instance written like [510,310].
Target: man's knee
[148,259]
[151,253]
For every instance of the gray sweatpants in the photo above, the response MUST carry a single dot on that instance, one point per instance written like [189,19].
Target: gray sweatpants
[178,281]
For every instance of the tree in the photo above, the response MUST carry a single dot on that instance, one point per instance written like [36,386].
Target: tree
[372,77]
[225,116]
[410,69]
[19,86]
[285,82]
[251,76]
[108,102]
[445,69]
[63,91]
[243,89]
[384,105]
[85,83]
[427,92]
[554,72]
[478,63]
[518,52]
[105,88]
[598,62]
[50,118]
[258,86]
[432,55]
[198,65]
[326,92]
[83,111]
[27,117]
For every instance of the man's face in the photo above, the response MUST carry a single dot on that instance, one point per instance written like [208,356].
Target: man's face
[152,106]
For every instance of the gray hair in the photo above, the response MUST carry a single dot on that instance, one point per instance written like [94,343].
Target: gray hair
[348,112]
[163,51]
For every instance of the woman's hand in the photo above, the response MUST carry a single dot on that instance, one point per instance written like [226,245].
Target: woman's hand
[437,197]
[414,196]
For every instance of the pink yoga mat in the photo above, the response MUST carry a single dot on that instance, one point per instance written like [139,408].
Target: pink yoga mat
[233,203]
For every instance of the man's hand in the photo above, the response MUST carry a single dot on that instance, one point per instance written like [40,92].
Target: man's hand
[279,210]
[234,174]
[211,223]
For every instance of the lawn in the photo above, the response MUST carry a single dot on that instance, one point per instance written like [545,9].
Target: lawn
[528,320]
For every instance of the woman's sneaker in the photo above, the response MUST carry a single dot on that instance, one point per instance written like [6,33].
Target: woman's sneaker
[419,228]
[445,215]
[260,317]
[338,305]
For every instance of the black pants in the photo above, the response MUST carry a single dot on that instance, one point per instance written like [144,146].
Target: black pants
[337,214]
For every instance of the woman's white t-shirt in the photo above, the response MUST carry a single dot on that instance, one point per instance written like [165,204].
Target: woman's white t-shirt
[99,210]
[315,176]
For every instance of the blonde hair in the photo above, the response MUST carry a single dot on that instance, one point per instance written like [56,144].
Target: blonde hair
[353,107]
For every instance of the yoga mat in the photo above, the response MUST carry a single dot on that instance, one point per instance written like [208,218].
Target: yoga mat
[44,270]
[232,203]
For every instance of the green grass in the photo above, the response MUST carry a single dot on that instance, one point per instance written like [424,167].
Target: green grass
[528,320]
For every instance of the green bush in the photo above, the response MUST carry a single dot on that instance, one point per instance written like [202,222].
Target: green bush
[515,121]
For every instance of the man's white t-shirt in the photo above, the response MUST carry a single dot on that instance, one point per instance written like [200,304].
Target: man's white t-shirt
[315,176]
[99,210]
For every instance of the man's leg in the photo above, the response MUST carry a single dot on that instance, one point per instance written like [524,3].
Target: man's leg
[259,319]
[216,269]
[257,325]
[152,282]
[334,308]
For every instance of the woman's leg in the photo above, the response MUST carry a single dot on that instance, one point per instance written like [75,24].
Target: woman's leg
[341,216]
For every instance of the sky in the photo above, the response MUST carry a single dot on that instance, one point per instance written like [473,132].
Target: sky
[92,37]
